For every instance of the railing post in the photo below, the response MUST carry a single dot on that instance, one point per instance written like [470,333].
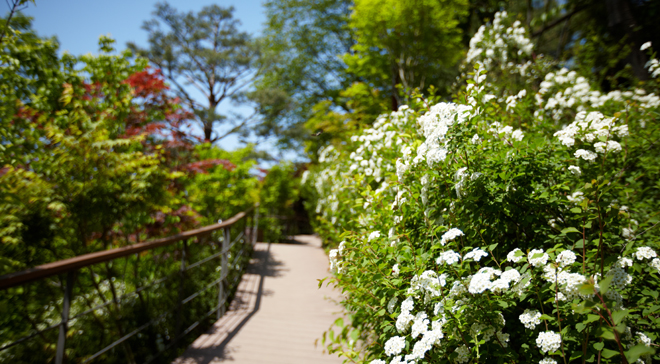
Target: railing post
[182,272]
[226,240]
[64,325]
[256,224]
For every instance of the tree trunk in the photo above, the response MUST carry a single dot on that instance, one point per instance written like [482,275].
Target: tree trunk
[622,24]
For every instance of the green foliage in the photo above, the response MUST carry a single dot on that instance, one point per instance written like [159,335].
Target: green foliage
[517,224]
[279,192]
[414,43]
[301,44]
[94,156]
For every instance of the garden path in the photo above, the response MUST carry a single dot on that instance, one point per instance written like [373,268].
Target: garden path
[278,314]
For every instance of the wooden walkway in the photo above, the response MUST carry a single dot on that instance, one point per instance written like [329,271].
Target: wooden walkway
[278,313]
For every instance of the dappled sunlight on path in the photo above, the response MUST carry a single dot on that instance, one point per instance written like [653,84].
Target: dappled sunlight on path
[278,313]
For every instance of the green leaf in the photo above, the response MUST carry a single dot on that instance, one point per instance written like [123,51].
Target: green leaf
[606,333]
[570,230]
[591,318]
[576,210]
[605,284]
[637,351]
[607,353]
[580,327]
[339,322]
[617,316]
[599,346]
[586,288]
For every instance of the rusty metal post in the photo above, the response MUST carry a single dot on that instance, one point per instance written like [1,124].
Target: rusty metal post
[64,325]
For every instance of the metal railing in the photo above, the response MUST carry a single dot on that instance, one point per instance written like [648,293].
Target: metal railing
[188,273]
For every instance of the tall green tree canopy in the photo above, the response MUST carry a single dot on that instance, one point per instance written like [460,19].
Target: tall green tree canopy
[204,53]
[412,43]
[302,43]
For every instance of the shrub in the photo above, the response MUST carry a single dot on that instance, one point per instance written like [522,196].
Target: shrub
[513,225]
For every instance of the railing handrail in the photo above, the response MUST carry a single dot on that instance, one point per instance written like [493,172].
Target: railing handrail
[70,264]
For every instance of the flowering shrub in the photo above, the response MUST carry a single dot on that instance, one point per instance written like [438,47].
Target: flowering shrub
[513,225]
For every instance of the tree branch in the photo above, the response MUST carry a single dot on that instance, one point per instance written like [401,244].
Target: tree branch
[559,20]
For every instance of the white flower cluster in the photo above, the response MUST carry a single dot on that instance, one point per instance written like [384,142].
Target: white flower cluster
[530,318]
[482,280]
[506,132]
[515,256]
[548,360]
[548,341]
[420,327]
[450,235]
[645,253]
[434,126]
[463,354]
[494,43]
[450,257]
[575,92]
[566,258]
[394,345]
[588,127]
[476,254]
[537,257]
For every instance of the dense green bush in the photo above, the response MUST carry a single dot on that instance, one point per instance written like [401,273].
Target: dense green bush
[516,224]
[94,155]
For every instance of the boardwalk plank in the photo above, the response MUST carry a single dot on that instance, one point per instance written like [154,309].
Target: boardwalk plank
[278,313]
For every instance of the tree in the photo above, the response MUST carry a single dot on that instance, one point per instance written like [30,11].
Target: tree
[412,43]
[204,52]
[302,43]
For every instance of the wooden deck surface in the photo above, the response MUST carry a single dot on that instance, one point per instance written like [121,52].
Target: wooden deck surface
[278,313]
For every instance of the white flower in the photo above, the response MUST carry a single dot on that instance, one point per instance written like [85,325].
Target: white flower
[374,235]
[620,278]
[566,258]
[627,233]
[475,254]
[538,261]
[575,170]
[394,345]
[517,135]
[450,257]
[407,305]
[548,360]
[642,338]
[511,275]
[392,304]
[655,263]
[420,325]
[585,154]
[548,341]
[515,255]
[645,46]
[463,354]
[624,262]
[645,253]
[576,197]
[450,235]
[395,270]
[404,320]
[530,318]
[503,338]
[378,361]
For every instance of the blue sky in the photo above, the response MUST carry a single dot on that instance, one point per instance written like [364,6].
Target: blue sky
[77,24]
